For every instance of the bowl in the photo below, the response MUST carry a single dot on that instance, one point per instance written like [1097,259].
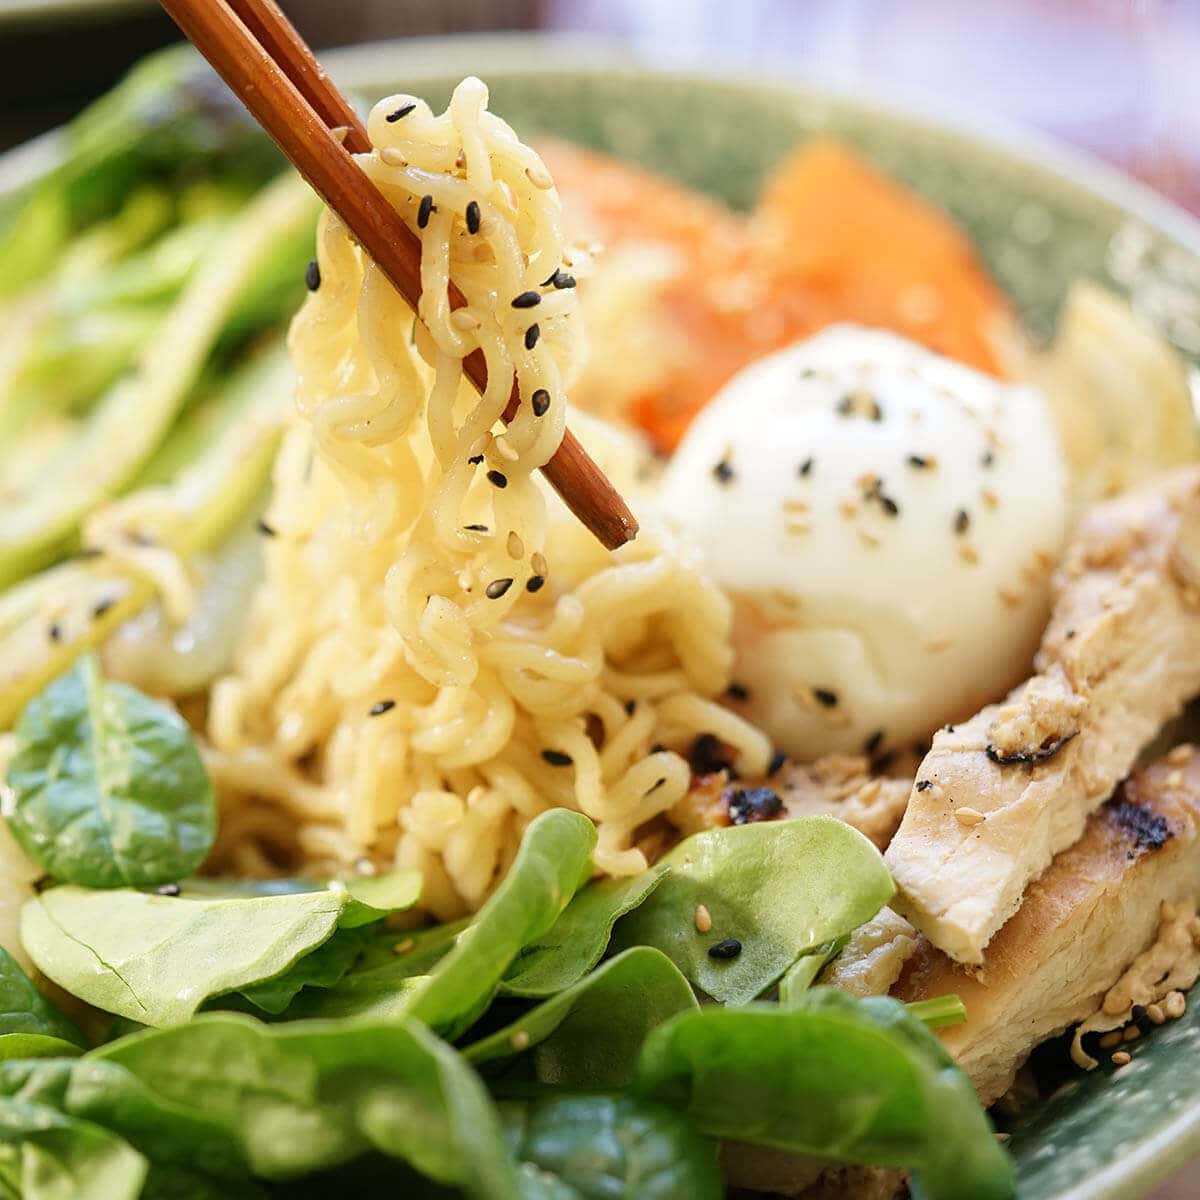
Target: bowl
[1041,215]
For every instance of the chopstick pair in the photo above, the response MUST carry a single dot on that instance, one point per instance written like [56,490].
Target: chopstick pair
[254,47]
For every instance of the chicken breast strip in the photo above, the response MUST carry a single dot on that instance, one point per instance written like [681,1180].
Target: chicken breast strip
[1081,925]
[1000,795]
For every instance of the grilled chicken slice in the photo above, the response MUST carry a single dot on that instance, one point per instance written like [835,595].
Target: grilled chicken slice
[841,785]
[997,797]
[1081,924]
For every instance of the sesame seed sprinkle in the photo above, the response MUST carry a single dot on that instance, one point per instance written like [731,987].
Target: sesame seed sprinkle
[55,632]
[923,785]
[702,918]
[723,471]
[724,950]
[497,479]
[962,521]
[527,300]
[825,697]
[380,707]
[514,545]
[531,336]
[474,217]
[538,562]
[805,468]
[103,606]
[535,583]
[312,275]
[424,211]
[497,588]
[265,529]
[476,528]
[556,758]
[540,401]
[399,113]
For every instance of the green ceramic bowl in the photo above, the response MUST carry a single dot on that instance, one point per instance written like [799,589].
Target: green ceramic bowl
[1041,216]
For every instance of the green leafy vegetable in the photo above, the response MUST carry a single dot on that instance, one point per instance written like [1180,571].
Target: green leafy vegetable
[576,942]
[837,1077]
[300,1097]
[554,860]
[108,787]
[939,1011]
[45,1155]
[802,974]
[780,888]
[606,1148]
[30,1026]
[156,959]
[105,1094]
[588,1036]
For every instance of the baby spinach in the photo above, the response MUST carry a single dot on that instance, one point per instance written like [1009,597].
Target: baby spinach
[108,787]
[45,1155]
[609,1148]
[779,888]
[30,1026]
[576,942]
[156,959]
[552,863]
[304,1096]
[589,1035]
[105,1094]
[834,1076]
[802,974]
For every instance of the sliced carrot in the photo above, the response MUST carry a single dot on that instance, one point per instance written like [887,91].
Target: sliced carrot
[832,240]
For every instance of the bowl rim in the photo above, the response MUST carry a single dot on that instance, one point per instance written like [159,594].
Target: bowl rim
[564,54]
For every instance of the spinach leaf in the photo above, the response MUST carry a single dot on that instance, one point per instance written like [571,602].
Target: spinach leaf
[802,974]
[108,787]
[45,1155]
[178,1183]
[30,1026]
[104,1094]
[576,942]
[553,862]
[156,959]
[608,1148]
[304,1096]
[320,968]
[837,1077]
[589,1035]
[779,888]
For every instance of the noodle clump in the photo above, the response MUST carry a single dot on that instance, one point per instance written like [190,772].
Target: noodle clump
[438,652]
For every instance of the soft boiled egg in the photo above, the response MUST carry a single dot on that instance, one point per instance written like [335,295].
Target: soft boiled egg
[886,522]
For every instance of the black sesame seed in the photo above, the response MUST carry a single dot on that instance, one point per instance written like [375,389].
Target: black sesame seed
[535,583]
[167,889]
[102,607]
[962,521]
[776,763]
[531,336]
[498,479]
[380,707]
[476,528]
[556,758]
[527,300]
[540,400]
[845,406]
[561,280]
[475,459]
[657,784]
[424,210]
[729,948]
[949,728]
[918,462]
[312,275]
[923,785]
[709,755]
[889,505]
[265,529]
[1137,1013]
[402,111]
[825,697]
[474,217]
[805,468]
[873,743]
[737,691]
[55,632]
[630,705]
[747,806]
[723,472]
[1069,634]
[497,588]
[987,458]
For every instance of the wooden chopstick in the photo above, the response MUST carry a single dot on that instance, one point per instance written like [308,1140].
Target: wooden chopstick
[256,50]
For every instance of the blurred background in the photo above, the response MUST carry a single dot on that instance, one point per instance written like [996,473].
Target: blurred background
[1115,77]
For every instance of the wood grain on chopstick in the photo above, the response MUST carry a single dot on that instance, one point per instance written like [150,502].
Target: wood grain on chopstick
[264,61]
